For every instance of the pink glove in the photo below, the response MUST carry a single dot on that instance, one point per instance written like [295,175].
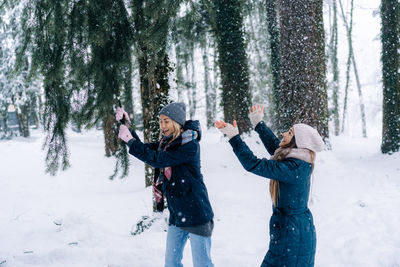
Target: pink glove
[121,113]
[124,133]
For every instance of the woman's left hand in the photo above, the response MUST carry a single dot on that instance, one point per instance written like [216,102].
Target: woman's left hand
[226,128]
[124,133]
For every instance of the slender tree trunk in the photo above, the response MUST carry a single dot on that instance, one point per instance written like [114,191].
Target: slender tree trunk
[128,100]
[23,118]
[303,95]
[236,96]
[351,58]
[209,91]
[274,44]
[390,76]
[335,69]
[193,87]
[179,73]
[216,77]
[190,80]
[360,97]
[4,117]
[34,110]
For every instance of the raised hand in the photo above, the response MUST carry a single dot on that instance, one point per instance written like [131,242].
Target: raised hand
[226,128]
[124,133]
[256,114]
[121,113]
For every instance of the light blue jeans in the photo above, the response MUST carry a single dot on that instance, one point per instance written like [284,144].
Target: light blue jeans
[176,240]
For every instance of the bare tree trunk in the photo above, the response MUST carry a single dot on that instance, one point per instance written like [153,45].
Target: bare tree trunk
[110,138]
[333,46]
[193,87]
[190,80]
[22,112]
[209,90]
[351,56]
[179,73]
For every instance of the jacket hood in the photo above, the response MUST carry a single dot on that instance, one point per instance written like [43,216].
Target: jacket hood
[193,125]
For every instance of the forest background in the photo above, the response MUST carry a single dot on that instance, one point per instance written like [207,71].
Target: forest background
[66,65]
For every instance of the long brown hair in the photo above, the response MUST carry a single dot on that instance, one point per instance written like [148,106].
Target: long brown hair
[279,156]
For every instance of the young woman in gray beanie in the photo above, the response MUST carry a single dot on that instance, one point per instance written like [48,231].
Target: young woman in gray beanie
[292,231]
[176,159]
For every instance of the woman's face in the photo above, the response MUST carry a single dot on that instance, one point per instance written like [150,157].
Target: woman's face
[167,127]
[287,137]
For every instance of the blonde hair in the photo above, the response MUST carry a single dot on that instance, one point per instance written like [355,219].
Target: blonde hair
[176,131]
[281,155]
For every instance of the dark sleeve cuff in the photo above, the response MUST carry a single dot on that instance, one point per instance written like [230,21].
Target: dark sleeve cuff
[235,141]
[130,142]
[133,133]
[258,126]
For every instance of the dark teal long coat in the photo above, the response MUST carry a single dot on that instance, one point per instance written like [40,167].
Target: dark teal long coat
[292,231]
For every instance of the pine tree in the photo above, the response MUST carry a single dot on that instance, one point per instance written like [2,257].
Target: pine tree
[236,96]
[81,49]
[48,55]
[18,87]
[151,22]
[333,47]
[391,85]
[303,96]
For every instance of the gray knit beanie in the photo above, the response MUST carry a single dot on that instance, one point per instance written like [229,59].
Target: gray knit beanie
[308,137]
[176,111]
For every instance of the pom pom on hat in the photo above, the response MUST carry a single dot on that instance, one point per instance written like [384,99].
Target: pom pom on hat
[308,137]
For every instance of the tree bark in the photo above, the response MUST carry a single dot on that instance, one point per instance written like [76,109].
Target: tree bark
[236,96]
[303,96]
[390,77]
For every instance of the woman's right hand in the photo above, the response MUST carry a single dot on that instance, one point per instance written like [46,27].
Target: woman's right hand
[226,128]
[256,114]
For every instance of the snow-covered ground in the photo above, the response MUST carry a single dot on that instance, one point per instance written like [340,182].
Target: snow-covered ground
[80,218]
[356,200]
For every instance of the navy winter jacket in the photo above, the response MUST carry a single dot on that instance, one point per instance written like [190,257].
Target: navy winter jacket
[186,192]
[292,231]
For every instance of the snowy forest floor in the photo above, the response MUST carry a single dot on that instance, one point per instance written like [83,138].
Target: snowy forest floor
[356,202]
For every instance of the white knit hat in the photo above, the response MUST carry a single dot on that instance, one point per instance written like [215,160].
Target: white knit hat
[307,137]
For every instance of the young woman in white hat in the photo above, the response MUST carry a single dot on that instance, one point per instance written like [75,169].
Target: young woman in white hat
[292,231]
